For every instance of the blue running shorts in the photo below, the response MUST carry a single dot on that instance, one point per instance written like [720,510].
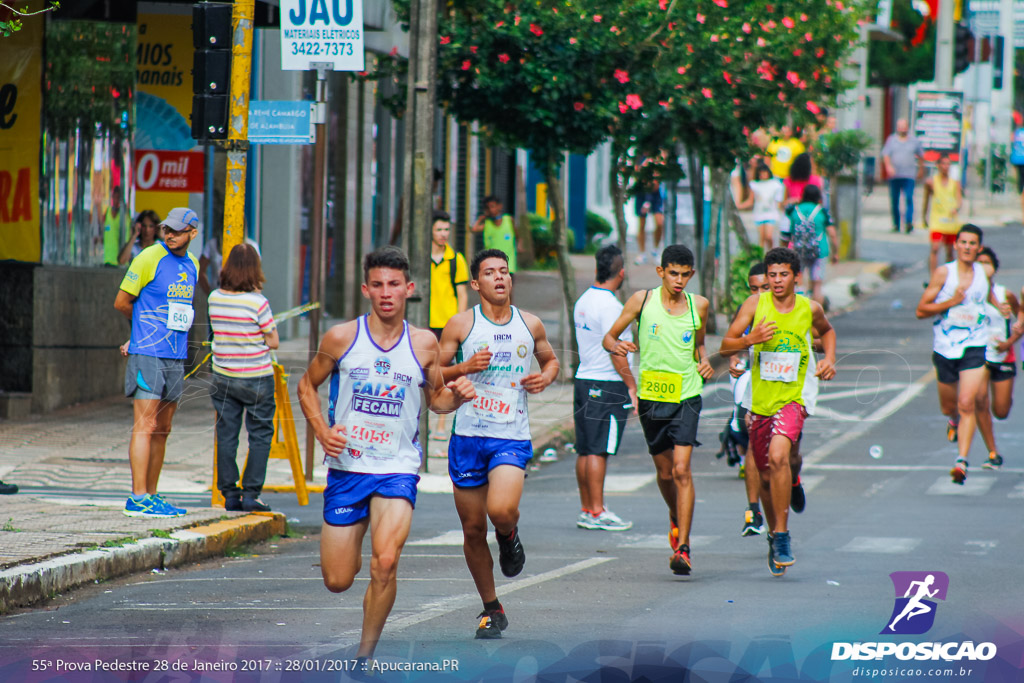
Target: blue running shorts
[347,496]
[470,458]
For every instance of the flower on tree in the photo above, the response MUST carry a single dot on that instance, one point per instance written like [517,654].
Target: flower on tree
[633,101]
[621,75]
[504,58]
[536,30]
[578,106]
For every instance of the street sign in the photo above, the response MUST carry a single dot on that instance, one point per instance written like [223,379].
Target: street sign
[162,170]
[938,122]
[322,31]
[275,122]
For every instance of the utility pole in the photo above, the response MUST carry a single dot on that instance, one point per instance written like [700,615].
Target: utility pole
[237,144]
[418,174]
[1007,27]
[944,46]
[316,233]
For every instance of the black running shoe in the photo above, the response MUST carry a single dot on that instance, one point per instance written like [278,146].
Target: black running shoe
[776,570]
[8,489]
[797,497]
[680,561]
[994,462]
[492,623]
[511,555]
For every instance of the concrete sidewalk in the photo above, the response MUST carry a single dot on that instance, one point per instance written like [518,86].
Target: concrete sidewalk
[53,543]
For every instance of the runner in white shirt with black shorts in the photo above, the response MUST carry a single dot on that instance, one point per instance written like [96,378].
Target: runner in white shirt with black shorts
[604,392]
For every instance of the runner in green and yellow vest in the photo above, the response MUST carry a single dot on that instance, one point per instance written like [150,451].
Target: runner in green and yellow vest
[673,368]
[784,388]
[499,230]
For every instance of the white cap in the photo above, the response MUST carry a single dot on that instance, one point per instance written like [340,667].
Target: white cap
[180,219]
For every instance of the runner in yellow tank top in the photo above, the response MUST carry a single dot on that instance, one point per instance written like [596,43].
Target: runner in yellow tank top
[673,367]
[783,385]
[942,201]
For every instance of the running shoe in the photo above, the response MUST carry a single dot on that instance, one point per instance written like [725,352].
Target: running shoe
[8,489]
[959,472]
[994,462]
[753,523]
[586,520]
[511,555]
[178,512]
[673,534]
[680,562]
[609,521]
[797,497]
[492,623]
[776,570]
[639,260]
[147,507]
[780,546]
[951,429]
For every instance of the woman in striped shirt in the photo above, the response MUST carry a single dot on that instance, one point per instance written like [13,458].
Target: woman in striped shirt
[243,376]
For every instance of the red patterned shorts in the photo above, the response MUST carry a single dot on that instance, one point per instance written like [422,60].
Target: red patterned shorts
[787,422]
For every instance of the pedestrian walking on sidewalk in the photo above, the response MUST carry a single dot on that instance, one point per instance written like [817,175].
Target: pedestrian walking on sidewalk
[956,294]
[243,376]
[903,159]
[768,195]
[603,393]
[487,455]
[673,369]
[382,371]
[783,388]
[156,295]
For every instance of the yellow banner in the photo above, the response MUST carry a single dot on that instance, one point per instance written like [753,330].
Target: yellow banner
[163,97]
[21,104]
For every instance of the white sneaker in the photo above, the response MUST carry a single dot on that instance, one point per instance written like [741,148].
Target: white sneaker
[586,520]
[609,521]
[639,260]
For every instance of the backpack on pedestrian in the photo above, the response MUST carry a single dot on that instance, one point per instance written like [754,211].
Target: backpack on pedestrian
[804,234]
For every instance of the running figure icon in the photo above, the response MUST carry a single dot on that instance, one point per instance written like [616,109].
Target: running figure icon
[915,606]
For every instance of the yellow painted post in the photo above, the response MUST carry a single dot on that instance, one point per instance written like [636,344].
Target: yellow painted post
[237,144]
[541,207]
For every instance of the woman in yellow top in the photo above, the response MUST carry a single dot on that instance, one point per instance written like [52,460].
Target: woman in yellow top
[945,198]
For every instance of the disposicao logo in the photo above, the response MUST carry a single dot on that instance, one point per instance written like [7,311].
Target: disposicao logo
[913,614]
[916,592]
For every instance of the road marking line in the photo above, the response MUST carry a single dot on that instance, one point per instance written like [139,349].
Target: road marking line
[453,537]
[1017,492]
[833,395]
[881,545]
[660,541]
[890,407]
[871,467]
[435,483]
[972,486]
[450,604]
[627,483]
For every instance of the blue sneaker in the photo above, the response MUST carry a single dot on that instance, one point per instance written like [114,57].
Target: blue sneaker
[176,511]
[775,569]
[780,546]
[147,507]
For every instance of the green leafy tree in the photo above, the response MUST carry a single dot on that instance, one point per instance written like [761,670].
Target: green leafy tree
[11,18]
[901,62]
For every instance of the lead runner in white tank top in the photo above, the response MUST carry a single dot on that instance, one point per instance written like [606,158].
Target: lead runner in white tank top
[500,409]
[962,326]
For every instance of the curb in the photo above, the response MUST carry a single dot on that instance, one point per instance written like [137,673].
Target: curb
[26,585]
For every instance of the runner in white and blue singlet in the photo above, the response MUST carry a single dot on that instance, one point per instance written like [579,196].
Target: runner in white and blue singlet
[956,294]
[495,343]
[378,365]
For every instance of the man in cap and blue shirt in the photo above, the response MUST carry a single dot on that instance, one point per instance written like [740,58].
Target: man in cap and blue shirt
[156,295]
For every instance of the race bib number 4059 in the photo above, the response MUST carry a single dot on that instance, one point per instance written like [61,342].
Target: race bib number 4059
[372,436]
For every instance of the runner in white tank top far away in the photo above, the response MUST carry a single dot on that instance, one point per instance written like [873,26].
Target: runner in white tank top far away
[493,345]
[956,296]
[378,366]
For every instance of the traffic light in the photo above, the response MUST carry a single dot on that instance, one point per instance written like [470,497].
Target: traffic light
[963,48]
[211,70]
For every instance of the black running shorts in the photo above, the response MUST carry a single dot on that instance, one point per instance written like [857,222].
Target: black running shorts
[670,424]
[949,369]
[600,408]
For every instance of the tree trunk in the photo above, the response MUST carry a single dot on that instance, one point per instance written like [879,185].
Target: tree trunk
[524,238]
[617,190]
[719,190]
[565,268]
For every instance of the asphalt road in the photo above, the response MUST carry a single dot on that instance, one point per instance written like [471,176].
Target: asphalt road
[592,601]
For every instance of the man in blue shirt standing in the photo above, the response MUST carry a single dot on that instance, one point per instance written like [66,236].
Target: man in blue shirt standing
[156,295]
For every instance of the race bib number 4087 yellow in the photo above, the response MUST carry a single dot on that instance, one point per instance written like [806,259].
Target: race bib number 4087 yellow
[661,386]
